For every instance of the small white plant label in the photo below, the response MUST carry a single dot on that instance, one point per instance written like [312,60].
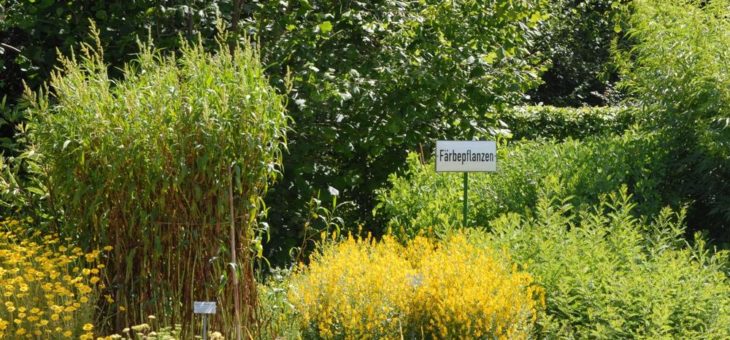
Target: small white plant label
[204,307]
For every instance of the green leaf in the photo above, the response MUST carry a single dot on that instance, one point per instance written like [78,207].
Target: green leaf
[617,27]
[36,191]
[325,27]
[490,57]
[535,18]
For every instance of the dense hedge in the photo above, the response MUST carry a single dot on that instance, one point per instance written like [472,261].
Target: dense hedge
[538,121]
[578,39]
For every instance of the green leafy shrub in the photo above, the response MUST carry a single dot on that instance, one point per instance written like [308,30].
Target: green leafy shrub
[169,166]
[425,201]
[277,315]
[608,274]
[533,122]
[678,71]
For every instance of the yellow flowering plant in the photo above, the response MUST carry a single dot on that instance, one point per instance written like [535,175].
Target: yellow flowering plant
[361,288]
[48,290]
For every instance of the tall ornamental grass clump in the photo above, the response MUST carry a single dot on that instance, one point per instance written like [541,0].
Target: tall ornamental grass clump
[168,165]
[362,288]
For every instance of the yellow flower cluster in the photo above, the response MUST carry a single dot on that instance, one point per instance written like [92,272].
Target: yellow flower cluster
[47,289]
[360,288]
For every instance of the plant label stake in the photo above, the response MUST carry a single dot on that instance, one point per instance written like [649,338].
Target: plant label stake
[466,157]
[205,308]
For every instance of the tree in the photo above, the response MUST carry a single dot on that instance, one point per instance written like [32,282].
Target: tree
[372,80]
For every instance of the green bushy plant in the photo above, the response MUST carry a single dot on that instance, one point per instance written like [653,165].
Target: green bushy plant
[168,166]
[608,274]
[605,273]
[532,122]
[422,200]
[678,72]
[277,315]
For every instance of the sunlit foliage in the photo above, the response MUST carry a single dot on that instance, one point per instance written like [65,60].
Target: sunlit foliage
[169,165]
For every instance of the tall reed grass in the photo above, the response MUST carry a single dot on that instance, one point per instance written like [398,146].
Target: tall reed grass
[168,165]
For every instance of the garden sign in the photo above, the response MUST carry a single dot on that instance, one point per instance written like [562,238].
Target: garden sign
[205,308]
[466,157]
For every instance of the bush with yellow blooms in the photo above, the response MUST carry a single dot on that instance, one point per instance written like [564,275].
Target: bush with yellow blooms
[48,290]
[361,288]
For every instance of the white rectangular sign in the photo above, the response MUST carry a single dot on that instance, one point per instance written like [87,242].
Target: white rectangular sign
[204,307]
[466,156]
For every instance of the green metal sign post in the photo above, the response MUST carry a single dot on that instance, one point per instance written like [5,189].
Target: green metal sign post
[466,198]
[466,157]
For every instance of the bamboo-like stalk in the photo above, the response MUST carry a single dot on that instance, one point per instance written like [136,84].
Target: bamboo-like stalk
[234,260]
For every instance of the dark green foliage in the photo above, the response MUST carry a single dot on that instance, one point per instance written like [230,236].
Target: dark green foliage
[610,275]
[678,71]
[23,193]
[34,30]
[535,122]
[374,79]
[423,201]
[169,166]
[10,117]
[578,39]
